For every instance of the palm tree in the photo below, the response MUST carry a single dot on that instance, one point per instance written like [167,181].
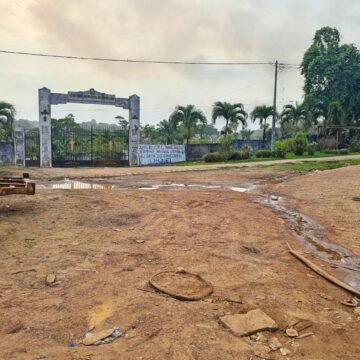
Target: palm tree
[189,117]
[167,131]
[262,113]
[7,119]
[232,113]
[294,114]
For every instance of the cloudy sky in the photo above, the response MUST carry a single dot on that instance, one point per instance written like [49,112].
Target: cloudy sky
[184,30]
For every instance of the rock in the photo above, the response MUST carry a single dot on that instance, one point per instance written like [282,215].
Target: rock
[274,343]
[357,311]
[292,333]
[274,198]
[261,351]
[50,279]
[249,323]
[91,339]
[350,302]
[326,297]
[285,351]
[139,241]
[180,270]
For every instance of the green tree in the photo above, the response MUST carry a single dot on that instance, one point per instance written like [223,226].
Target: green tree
[123,123]
[295,116]
[245,134]
[189,117]
[65,124]
[149,134]
[262,113]
[7,119]
[233,114]
[332,78]
[167,131]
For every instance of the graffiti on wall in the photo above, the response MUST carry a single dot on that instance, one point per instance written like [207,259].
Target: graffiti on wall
[161,154]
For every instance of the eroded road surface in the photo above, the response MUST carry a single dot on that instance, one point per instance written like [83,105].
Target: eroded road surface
[104,238]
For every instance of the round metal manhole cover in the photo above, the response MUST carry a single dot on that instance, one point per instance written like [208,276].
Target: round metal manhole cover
[182,285]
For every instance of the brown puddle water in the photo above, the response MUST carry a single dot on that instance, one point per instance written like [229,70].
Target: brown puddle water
[311,237]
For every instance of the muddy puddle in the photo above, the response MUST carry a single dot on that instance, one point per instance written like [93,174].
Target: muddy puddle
[311,237]
[68,184]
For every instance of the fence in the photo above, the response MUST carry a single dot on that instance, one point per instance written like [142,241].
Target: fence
[195,152]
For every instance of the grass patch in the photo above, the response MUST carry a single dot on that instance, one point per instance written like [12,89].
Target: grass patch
[312,165]
[289,156]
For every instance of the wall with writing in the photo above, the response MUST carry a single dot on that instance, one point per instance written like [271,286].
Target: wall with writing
[161,154]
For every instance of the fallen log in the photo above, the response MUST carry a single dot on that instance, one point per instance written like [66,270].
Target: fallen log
[322,272]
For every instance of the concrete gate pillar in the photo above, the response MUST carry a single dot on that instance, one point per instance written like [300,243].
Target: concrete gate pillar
[134,130]
[45,126]
[19,144]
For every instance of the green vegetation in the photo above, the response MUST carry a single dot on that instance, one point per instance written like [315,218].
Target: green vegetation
[355,144]
[300,143]
[189,117]
[312,165]
[232,113]
[7,120]
[262,113]
[280,149]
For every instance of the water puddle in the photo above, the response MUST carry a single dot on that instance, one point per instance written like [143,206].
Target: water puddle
[311,237]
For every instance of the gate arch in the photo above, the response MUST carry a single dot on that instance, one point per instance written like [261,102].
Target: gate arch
[48,98]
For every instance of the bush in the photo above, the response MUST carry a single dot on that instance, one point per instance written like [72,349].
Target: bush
[337,152]
[355,144]
[344,152]
[264,153]
[243,154]
[311,148]
[291,145]
[328,143]
[214,157]
[300,143]
[226,146]
[280,149]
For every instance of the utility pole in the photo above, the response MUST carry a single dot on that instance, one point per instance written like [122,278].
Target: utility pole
[273,128]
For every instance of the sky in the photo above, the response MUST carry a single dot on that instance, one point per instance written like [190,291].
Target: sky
[175,30]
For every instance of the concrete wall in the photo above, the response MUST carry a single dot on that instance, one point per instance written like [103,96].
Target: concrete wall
[195,152]
[7,153]
[161,154]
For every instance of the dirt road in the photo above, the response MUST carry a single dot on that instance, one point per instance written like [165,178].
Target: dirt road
[104,246]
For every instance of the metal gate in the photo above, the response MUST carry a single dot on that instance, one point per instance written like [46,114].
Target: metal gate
[32,147]
[81,146]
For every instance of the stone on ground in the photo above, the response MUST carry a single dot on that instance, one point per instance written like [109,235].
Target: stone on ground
[249,323]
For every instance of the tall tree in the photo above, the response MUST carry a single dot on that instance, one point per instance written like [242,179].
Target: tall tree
[332,78]
[167,131]
[294,115]
[233,114]
[262,113]
[7,119]
[189,117]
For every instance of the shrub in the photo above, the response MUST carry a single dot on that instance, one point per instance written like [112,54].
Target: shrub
[280,149]
[300,143]
[328,143]
[291,145]
[355,144]
[311,148]
[226,145]
[243,154]
[214,157]
[264,153]
[344,152]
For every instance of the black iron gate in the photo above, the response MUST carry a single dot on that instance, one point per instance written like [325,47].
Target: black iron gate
[79,146]
[32,147]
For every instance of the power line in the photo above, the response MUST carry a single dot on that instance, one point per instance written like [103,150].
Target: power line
[139,61]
